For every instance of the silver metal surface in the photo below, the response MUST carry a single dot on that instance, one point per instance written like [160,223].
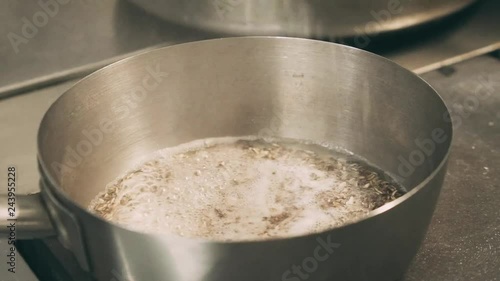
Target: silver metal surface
[87,34]
[313,18]
[315,90]
[78,37]
[30,220]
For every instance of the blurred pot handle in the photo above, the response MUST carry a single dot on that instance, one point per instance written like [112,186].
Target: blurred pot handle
[25,217]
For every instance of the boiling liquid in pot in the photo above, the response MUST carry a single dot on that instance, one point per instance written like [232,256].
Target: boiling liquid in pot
[244,189]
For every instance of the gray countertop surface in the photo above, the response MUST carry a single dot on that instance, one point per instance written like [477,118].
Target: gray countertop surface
[463,242]
[81,36]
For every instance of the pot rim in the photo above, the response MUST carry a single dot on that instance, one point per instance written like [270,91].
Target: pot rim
[67,201]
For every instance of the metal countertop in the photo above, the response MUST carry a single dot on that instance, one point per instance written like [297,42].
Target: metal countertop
[463,242]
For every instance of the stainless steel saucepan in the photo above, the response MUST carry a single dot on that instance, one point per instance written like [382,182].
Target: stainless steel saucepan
[304,18]
[294,88]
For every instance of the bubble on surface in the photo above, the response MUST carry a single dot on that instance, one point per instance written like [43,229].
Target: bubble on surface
[240,189]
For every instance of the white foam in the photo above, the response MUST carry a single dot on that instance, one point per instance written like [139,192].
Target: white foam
[217,189]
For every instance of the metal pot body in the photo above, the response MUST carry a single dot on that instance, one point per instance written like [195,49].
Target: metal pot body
[312,18]
[294,88]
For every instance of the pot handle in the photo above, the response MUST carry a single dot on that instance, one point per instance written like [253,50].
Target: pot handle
[24,217]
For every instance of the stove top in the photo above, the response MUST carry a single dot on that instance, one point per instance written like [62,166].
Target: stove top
[460,60]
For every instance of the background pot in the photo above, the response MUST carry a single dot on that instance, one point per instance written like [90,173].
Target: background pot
[304,18]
